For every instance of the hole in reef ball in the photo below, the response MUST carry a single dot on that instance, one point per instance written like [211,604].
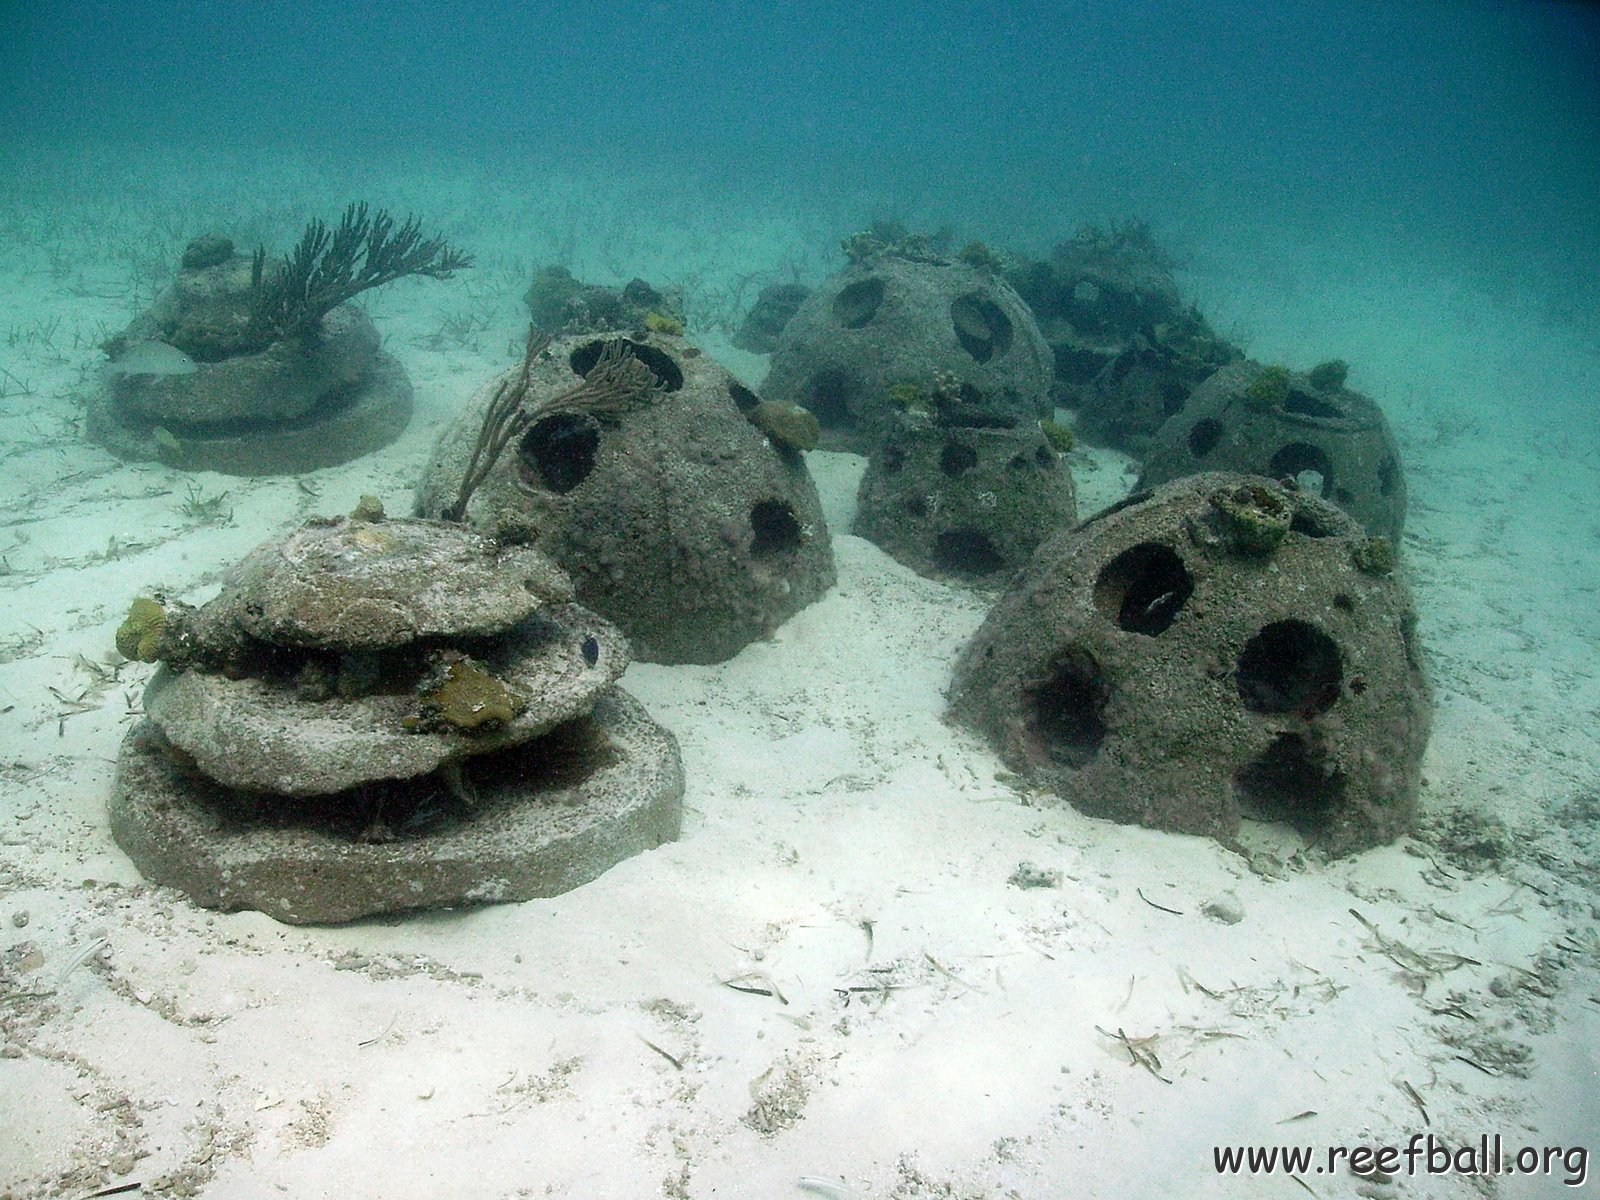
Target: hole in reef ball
[1290,667]
[1174,396]
[776,528]
[559,452]
[1307,405]
[591,649]
[1289,781]
[956,458]
[1311,524]
[1144,588]
[1302,458]
[983,330]
[966,552]
[743,396]
[661,363]
[1067,711]
[1408,638]
[828,395]
[1388,476]
[857,303]
[1204,435]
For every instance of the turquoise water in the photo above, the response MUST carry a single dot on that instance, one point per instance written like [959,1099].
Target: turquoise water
[1414,188]
[1470,132]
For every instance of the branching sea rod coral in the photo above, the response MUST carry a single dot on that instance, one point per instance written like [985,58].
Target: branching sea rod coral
[329,267]
[617,381]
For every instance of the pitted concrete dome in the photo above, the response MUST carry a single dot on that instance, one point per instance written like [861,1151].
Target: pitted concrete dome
[891,331]
[1220,647]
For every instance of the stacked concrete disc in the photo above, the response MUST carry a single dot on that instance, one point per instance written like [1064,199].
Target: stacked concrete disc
[181,387]
[965,504]
[379,715]
[1331,440]
[891,332]
[1217,648]
[678,519]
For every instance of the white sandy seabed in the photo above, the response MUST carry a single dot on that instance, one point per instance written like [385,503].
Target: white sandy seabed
[933,1031]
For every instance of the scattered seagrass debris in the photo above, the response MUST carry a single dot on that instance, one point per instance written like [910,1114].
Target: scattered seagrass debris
[1411,1094]
[1141,1050]
[756,983]
[1419,965]
[1158,907]
[830,1188]
[671,1058]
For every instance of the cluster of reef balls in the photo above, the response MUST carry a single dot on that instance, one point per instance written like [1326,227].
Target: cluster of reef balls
[1231,640]
[380,714]
[913,354]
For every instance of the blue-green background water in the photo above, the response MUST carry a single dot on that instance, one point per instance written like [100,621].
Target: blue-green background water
[1467,132]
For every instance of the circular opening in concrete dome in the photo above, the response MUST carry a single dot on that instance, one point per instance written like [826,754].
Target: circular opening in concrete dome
[1308,405]
[956,458]
[1067,711]
[1388,476]
[1311,524]
[966,552]
[558,452]
[1204,435]
[1289,781]
[857,303]
[828,395]
[1408,638]
[776,528]
[1144,588]
[1078,364]
[1174,396]
[1290,667]
[1300,461]
[983,330]
[661,363]
[742,396]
